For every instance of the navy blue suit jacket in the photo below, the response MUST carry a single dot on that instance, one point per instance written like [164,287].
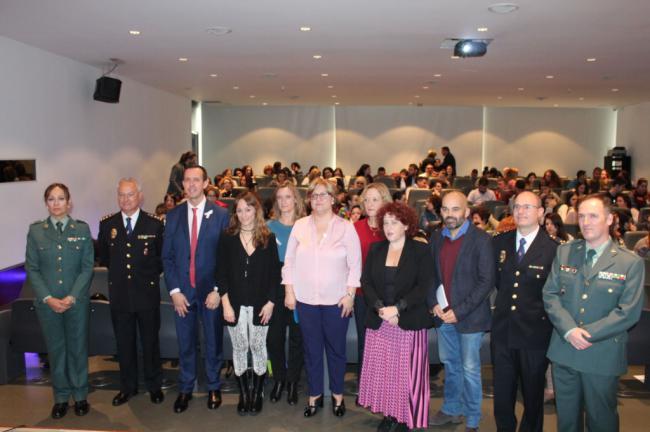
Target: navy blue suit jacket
[176,250]
[472,281]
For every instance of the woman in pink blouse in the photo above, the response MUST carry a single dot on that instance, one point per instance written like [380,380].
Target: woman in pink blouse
[322,270]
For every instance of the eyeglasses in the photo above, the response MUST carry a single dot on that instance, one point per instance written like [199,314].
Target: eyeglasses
[526,207]
[319,196]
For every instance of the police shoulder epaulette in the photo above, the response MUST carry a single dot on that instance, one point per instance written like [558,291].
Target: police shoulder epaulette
[81,222]
[39,222]
[107,216]
[153,215]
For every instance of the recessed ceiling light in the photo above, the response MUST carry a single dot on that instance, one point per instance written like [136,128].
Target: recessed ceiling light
[334,96]
[520,89]
[337,103]
[437,75]
[264,103]
[550,76]
[417,96]
[235,87]
[591,59]
[614,89]
[324,74]
[425,87]
[330,86]
[503,8]
[454,57]
[317,56]
[305,29]
[218,30]
[499,97]
[252,96]
[482,29]
[214,75]
[410,103]
[555,105]
[134,32]
[182,59]
[581,98]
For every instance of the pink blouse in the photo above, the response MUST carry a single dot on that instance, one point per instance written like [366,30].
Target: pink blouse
[321,271]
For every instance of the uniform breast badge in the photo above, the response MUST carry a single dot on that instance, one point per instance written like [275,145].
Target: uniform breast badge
[502,256]
[113,233]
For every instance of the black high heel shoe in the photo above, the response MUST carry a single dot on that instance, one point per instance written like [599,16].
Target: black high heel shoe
[311,410]
[338,410]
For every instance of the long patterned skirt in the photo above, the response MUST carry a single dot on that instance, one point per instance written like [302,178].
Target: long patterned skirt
[395,375]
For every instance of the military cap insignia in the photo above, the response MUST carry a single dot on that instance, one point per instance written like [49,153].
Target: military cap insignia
[502,256]
[113,233]
[568,269]
[611,276]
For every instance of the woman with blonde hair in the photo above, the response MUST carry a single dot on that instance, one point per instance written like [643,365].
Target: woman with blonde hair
[287,208]
[322,270]
[373,197]
[248,278]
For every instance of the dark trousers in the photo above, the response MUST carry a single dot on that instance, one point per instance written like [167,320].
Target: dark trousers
[511,368]
[360,321]
[578,394]
[126,325]
[275,342]
[323,328]
[187,334]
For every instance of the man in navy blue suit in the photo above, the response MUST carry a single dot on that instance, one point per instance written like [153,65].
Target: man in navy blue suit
[189,256]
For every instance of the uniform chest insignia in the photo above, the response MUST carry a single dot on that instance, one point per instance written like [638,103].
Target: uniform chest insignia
[502,256]
[45,226]
[76,239]
[568,269]
[536,267]
[145,252]
[611,276]
[113,233]
[146,236]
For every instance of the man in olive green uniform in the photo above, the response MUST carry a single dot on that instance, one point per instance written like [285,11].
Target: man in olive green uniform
[593,295]
[59,264]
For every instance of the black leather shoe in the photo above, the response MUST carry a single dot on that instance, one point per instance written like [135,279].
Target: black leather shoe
[292,393]
[59,410]
[214,399]
[122,398]
[276,393]
[182,401]
[156,396]
[81,407]
[386,425]
[311,410]
[338,410]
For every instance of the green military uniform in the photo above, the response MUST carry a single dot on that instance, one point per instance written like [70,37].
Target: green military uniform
[606,300]
[60,264]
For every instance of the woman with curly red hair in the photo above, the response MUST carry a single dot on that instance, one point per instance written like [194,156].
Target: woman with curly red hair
[396,276]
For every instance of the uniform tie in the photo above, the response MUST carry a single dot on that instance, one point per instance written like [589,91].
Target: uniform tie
[59,227]
[591,253]
[129,228]
[522,250]
[193,242]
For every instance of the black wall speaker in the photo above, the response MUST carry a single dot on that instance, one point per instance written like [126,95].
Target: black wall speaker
[107,90]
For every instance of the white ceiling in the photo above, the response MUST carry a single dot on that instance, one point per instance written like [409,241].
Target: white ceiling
[376,52]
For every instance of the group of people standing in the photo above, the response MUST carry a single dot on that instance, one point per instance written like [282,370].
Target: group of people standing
[310,274]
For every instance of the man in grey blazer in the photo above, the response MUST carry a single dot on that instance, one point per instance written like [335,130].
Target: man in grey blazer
[464,277]
[593,295]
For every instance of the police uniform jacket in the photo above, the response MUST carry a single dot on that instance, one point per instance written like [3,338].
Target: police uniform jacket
[133,262]
[606,300]
[59,264]
[519,319]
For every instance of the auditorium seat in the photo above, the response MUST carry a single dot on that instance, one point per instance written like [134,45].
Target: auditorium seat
[572,229]
[417,195]
[632,237]
[386,180]
[12,363]
[99,283]
[499,211]
[263,181]
[230,202]
[266,193]
[26,332]
[236,191]
[491,205]
[101,338]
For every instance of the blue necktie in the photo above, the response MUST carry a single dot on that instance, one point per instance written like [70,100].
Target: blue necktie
[521,251]
[129,228]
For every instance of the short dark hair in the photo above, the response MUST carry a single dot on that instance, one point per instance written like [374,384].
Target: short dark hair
[403,213]
[603,198]
[581,173]
[483,181]
[203,170]
[445,148]
[520,184]
[482,212]
[50,188]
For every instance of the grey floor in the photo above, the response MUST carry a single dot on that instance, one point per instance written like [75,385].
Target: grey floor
[28,402]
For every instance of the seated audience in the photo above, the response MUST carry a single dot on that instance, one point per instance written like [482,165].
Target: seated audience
[555,228]
[481,194]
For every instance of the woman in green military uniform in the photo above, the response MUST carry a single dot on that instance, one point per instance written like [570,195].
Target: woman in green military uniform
[59,264]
